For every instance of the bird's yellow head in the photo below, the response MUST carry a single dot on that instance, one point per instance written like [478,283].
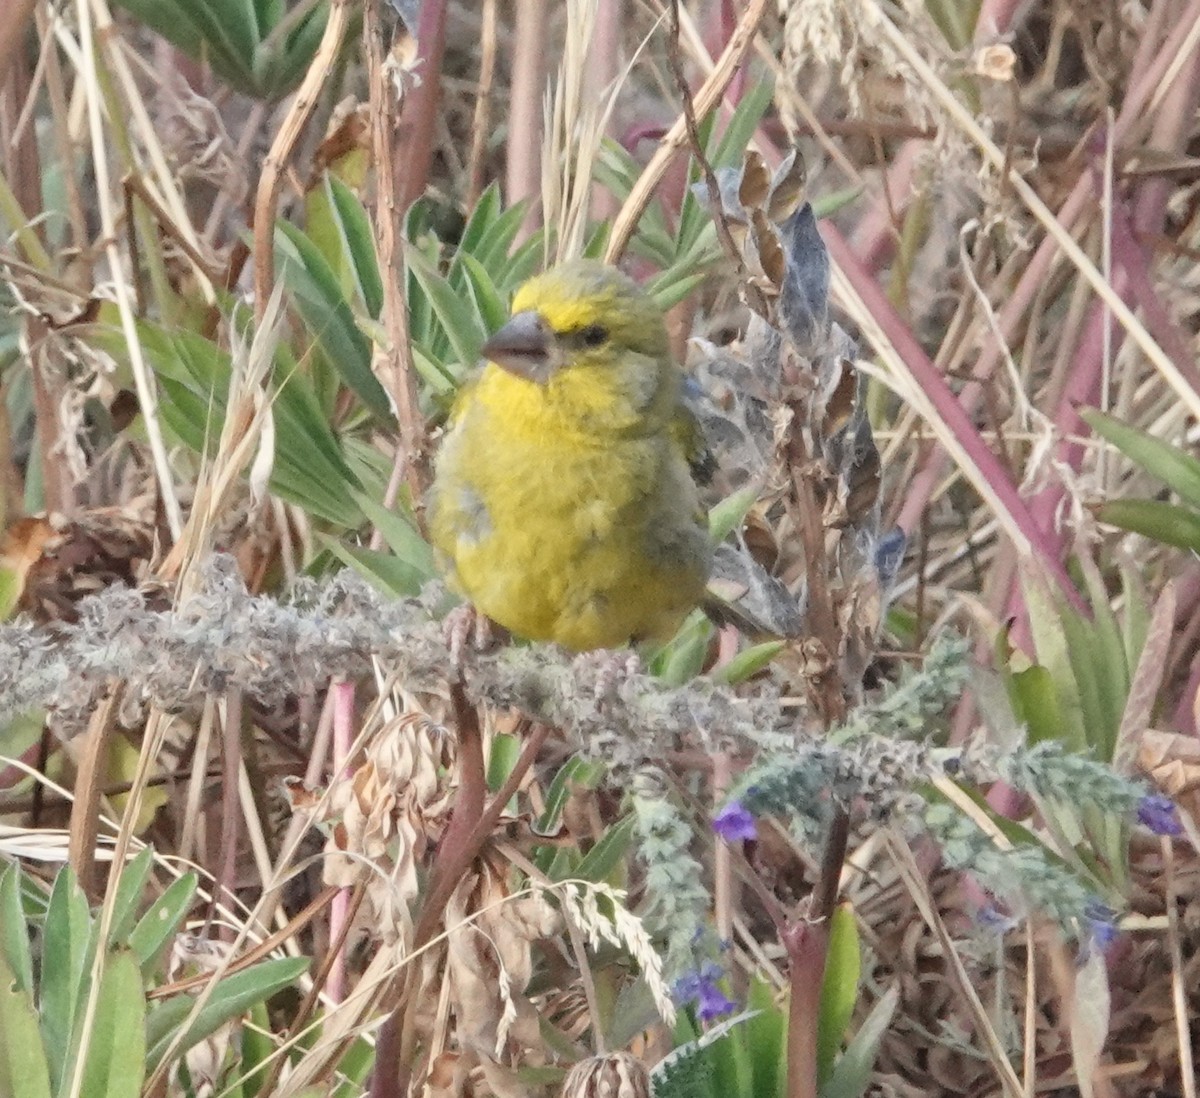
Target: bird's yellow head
[581,314]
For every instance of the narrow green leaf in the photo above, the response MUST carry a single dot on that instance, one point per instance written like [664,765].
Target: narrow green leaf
[730,513]
[1167,523]
[14,929]
[603,858]
[161,922]
[748,663]
[257,1049]
[765,1033]
[839,988]
[1171,464]
[359,242]
[670,291]
[742,123]
[496,242]
[501,759]
[1053,653]
[557,793]
[388,573]
[682,658]
[462,326]
[1035,703]
[319,301]
[486,298]
[232,997]
[481,219]
[402,536]
[115,1061]
[134,875]
[24,1072]
[66,951]
[852,1073]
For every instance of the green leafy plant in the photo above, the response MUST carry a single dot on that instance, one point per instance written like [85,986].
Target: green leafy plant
[261,48]
[74,988]
[1176,524]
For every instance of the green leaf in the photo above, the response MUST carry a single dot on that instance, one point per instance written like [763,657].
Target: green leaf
[24,1072]
[257,1050]
[766,1034]
[326,314]
[134,875]
[66,951]
[748,663]
[730,513]
[604,857]
[115,1061]
[481,220]
[839,989]
[1053,653]
[403,538]
[232,997]
[742,124]
[461,324]
[1035,703]
[501,759]
[574,772]
[388,573]
[486,298]
[1177,469]
[14,930]
[1167,523]
[852,1073]
[359,242]
[161,922]
[682,658]
[672,286]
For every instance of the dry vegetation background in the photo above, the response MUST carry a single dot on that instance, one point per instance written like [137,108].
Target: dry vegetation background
[249,249]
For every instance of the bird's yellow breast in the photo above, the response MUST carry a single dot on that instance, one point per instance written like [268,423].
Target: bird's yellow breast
[563,517]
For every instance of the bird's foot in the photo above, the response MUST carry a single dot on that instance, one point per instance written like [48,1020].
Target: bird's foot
[462,624]
[607,668]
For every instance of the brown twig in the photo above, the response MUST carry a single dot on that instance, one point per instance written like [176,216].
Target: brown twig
[756,299]
[480,128]
[471,826]
[266,201]
[677,136]
[389,210]
[85,811]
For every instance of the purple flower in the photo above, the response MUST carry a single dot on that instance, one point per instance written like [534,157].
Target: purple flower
[701,987]
[734,822]
[1158,814]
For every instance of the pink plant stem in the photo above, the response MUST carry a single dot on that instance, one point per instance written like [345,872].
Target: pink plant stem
[807,946]
[1129,255]
[1150,69]
[343,737]
[875,236]
[523,170]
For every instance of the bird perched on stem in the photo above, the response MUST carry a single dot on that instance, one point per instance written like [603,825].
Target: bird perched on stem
[564,503]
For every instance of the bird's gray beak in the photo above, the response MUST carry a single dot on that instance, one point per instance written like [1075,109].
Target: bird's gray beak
[525,346]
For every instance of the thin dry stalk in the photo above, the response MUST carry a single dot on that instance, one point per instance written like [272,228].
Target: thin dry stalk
[278,159]
[676,137]
[389,212]
[481,123]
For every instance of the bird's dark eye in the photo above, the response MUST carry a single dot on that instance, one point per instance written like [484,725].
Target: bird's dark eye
[593,335]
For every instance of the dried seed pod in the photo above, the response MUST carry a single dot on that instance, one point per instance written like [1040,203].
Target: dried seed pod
[617,1075]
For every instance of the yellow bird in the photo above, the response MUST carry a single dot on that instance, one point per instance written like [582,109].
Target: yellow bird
[564,505]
